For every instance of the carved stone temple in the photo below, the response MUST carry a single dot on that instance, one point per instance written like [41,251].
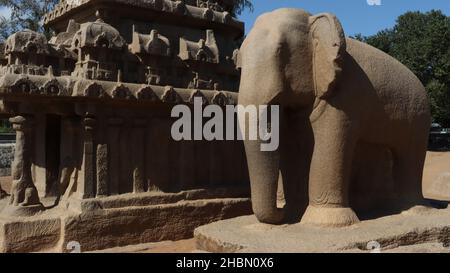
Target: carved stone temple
[94,161]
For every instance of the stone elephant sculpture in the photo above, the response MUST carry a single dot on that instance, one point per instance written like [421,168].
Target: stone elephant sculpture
[343,95]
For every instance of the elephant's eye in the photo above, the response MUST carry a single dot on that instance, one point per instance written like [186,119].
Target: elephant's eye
[279,48]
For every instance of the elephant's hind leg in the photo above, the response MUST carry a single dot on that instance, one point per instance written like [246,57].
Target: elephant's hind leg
[408,170]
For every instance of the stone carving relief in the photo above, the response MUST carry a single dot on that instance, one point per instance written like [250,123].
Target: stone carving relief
[97,51]
[152,44]
[54,88]
[202,51]
[198,94]
[24,200]
[97,45]
[23,85]
[209,4]
[171,96]
[29,52]
[220,99]
[146,93]
[120,91]
[94,90]
[339,155]
[91,109]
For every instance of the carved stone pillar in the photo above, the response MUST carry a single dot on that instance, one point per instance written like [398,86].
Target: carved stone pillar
[102,170]
[114,154]
[24,195]
[102,158]
[89,151]
[138,146]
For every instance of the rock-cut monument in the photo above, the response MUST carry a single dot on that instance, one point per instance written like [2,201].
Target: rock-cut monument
[353,139]
[94,161]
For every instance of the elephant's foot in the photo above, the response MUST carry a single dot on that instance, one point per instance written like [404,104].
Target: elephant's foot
[271,216]
[329,216]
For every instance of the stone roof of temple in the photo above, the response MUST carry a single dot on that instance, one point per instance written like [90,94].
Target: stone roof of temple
[26,41]
[153,43]
[131,58]
[195,9]
[98,33]
[19,85]
[203,50]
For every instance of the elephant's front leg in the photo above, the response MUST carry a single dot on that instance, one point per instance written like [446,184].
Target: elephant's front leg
[335,141]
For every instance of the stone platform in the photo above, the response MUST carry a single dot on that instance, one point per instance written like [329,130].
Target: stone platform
[101,223]
[414,228]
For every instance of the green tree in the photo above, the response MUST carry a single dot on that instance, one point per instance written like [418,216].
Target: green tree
[241,5]
[421,41]
[25,14]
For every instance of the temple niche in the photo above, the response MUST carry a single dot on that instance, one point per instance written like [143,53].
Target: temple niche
[99,49]
[29,52]
[92,110]
[153,50]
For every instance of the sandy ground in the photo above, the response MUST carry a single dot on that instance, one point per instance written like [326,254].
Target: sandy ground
[183,246]
[436,163]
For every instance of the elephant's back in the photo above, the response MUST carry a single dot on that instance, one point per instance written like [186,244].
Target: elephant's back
[394,84]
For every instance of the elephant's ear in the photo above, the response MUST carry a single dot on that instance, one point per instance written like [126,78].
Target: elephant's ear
[328,45]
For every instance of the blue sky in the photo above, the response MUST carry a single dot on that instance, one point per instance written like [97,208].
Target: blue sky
[4,12]
[356,16]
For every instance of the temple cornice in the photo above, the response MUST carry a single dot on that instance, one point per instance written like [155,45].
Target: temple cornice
[178,11]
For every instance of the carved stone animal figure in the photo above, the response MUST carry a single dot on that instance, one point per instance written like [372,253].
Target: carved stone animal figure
[337,96]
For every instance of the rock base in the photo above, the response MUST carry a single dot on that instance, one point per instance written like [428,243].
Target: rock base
[419,226]
[102,223]
[22,210]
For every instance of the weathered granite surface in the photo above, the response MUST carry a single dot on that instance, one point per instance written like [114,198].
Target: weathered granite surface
[91,107]
[124,220]
[440,188]
[417,226]
[353,127]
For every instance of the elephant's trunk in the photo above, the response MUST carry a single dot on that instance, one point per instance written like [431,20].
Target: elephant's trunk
[264,171]
[262,84]
[263,168]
